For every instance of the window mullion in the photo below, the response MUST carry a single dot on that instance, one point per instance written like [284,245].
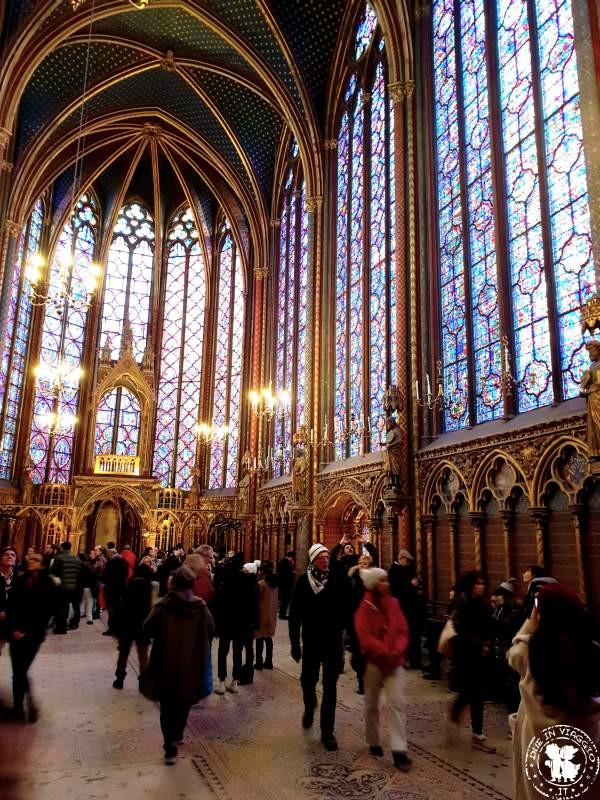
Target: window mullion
[180,376]
[349,264]
[544,202]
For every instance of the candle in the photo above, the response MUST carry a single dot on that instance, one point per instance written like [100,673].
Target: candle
[428,386]
[325,436]
[417,390]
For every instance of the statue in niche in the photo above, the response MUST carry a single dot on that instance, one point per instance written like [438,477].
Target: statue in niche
[27,483]
[244,485]
[194,492]
[300,472]
[590,389]
[392,455]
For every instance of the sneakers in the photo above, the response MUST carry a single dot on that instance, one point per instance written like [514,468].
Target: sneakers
[90,622]
[232,687]
[268,664]
[479,741]
[258,664]
[402,761]
[170,755]
[220,687]
[118,682]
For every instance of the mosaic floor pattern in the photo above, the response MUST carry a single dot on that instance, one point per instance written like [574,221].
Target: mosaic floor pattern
[97,743]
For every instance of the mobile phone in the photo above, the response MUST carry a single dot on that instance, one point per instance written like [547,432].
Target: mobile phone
[536,602]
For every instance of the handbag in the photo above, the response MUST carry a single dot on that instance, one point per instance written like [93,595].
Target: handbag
[446,638]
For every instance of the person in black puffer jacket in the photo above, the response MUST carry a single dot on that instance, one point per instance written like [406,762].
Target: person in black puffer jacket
[67,568]
[128,621]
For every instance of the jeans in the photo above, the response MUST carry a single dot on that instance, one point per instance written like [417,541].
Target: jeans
[268,642]
[22,653]
[173,719]
[223,651]
[312,658]
[88,604]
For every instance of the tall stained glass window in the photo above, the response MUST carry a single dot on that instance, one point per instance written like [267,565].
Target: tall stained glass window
[117,423]
[290,291]
[514,232]
[57,388]
[181,354]
[365,286]
[229,343]
[16,339]
[128,281]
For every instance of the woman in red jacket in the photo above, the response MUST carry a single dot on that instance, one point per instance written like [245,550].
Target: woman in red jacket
[382,633]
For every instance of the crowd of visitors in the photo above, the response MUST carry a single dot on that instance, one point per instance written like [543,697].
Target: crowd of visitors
[529,647]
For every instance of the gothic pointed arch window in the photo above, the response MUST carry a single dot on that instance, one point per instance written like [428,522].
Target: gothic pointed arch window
[62,340]
[291,309]
[128,281]
[117,423]
[514,240]
[229,343]
[178,404]
[16,340]
[365,283]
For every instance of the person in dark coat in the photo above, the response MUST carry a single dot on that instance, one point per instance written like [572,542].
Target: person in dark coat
[320,608]
[285,579]
[237,617]
[180,627]
[67,568]
[474,627]
[405,586]
[114,578]
[534,578]
[31,602]
[129,620]
[508,618]
[8,561]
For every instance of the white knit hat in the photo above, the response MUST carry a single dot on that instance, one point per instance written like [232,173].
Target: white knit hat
[315,550]
[371,577]
[250,567]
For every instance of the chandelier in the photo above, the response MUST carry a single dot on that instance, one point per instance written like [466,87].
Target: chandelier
[59,376]
[139,4]
[212,433]
[61,293]
[263,403]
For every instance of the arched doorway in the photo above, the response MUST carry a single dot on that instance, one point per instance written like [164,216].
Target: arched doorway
[346,516]
[114,520]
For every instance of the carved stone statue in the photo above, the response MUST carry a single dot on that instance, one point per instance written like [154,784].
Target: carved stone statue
[590,389]
[392,455]
[300,472]
[244,486]
[194,492]
[27,484]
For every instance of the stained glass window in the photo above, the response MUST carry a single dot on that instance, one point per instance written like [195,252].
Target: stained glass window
[128,281]
[181,354]
[536,191]
[290,290]
[365,289]
[57,389]
[229,342]
[16,339]
[117,423]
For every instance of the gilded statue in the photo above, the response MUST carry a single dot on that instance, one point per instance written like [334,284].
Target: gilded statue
[590,389]
[392,455]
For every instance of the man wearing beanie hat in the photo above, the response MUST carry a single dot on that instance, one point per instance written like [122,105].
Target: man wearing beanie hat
[319,609]
[382,632]
[180,627]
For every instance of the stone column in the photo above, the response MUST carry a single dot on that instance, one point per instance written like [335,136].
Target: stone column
[507,521]
[375,534]
[452,531]
[540,518]
[428,520]
[578,512]
[477,520]
[8,253]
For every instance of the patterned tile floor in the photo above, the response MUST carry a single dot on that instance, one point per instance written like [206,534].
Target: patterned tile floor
[97,743]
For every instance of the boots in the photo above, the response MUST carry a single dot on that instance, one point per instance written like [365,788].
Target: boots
[268,663]
[119,680]
[258,664]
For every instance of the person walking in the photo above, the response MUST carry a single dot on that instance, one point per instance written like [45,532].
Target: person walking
[383,635]
[87,585]
[114,578]
[67,568]
[553,653]
[134,608]
[130,557]
[474,626]
[267,604]
[319,612]
[406,588]
[31,602]
[285,578]
[8,561]
[180,627]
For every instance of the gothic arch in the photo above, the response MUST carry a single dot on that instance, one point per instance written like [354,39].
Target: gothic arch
[442,487]
[499,473]
[564,463]
[115,492]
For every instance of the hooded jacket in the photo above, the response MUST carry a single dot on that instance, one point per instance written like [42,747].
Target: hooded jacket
[181,627]
[382,631]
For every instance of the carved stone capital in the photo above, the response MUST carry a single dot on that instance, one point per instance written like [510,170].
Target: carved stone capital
[314,203]
[261,272]
[150,131]
[330,144]
[168,62]
[409,89]
[6,166]
[12,228]
[5,135]
[275,223]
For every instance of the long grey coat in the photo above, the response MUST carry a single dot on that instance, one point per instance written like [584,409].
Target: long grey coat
[180,626]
